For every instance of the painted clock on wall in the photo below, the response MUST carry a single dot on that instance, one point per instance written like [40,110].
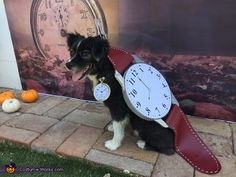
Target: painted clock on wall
[51,19]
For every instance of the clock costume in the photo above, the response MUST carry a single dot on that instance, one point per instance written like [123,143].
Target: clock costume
[163,103]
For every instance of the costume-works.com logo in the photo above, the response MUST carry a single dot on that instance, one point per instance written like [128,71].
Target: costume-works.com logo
[10,168]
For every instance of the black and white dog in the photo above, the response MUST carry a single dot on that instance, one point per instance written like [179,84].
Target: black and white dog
[89,58]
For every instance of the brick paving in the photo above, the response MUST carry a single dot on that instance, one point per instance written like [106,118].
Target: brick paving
[172,166]
[54,137]
[77,128]
[32,122]
[128,148]
[80,142]
[17,135]
[4,117]
[234,136]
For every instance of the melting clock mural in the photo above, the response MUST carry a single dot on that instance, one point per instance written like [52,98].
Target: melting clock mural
[194,48]
[51,19]
[41,59]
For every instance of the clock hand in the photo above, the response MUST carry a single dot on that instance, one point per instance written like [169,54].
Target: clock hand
[61,17]
[144,83]
[103,90]
[149,90]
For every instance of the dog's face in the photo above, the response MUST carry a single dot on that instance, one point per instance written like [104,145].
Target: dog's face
[86,54]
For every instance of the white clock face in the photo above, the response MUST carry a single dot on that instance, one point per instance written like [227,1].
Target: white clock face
[102,92]
[146,91]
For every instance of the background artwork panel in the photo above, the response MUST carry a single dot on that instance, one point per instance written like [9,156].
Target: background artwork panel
[40,42]
[193,48]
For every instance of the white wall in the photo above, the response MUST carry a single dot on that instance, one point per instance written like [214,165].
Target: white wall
[9,75]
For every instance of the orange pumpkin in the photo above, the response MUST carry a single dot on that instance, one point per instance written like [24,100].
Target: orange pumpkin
[29,96]
[6,95]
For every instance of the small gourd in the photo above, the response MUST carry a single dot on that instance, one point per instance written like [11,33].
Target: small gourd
[6,95]
[29,96]
[11,105]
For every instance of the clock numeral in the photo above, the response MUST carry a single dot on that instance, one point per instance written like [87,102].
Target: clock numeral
[84,14]
[63,33]
[148,110]
[61,45]
[58,1]
[164,85]
[133,93]
[166,96]
[57,62]
[131,81]
[150,70]
[164,106]
[48,4]
[90,31]
[41,32]
[159,76]
[46,47]
[134,73]
[138,104]
[43,16]
[156,109]
[57,57]
[72,2]
[141,69]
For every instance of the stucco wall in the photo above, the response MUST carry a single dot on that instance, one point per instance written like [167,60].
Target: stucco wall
[9,75]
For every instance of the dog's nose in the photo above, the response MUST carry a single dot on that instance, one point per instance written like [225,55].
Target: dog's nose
[69,65]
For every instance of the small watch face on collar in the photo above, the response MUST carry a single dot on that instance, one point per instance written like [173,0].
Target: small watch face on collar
[102,92]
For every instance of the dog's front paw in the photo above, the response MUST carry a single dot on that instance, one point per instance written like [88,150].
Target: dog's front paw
[110,127]
[141,144]
[112,145]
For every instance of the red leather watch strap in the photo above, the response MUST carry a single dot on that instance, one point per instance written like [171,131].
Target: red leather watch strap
[120,59]
[189,145]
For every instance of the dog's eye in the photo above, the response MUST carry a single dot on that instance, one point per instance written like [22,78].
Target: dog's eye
[86,54]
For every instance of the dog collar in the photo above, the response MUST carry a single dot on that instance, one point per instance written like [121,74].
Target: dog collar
[187,143]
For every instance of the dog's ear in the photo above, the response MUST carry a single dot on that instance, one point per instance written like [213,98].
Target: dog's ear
[72,37]
[100,48]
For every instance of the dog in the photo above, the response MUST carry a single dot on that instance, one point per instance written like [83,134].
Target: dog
[89,58]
